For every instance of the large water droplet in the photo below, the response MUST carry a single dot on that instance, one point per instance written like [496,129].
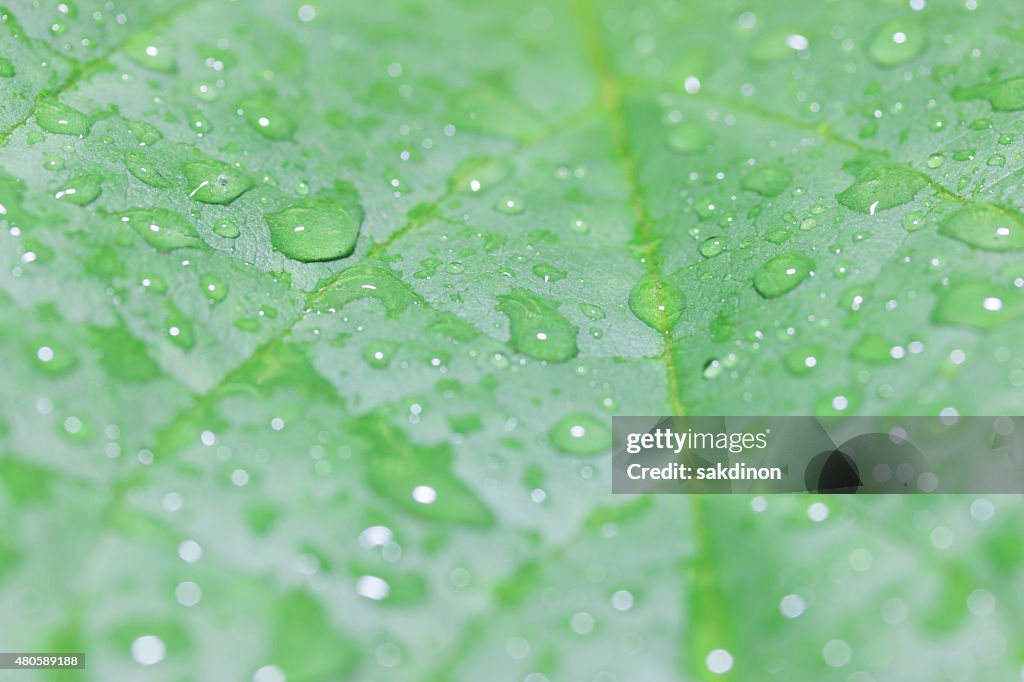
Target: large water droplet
[1007,95]
[768,180]
[54,117]
[973,302]
[897,42]
[985,226]
[319,229]
[689,138]
[270,120]
[149,169]
[368,281]
[879,187]
[548,273]
[656,302]
[537,329]
[216,182]
[150,50]
[581,434]
[782,274]
[162,229]
[82,190]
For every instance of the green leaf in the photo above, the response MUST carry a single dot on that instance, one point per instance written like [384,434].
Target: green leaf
[315,317]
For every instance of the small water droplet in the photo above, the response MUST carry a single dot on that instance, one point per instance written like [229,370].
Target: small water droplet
[548,273]
[213,288]
[226,228]
[510,205]
[581,434]
[711,247]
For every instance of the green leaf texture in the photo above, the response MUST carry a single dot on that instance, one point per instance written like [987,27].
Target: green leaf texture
[314,318]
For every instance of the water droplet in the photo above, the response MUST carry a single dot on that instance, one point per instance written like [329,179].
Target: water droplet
[872,348]
[318,229]
[996,160]
[456,267]
[368,281]
[581,434]
[592,311]
[719,661]
[977,303]
[711,247]
[478,174]
[913,221]
[6,68]
[148,650]
[54,117]
[963,155]
[206,91]
[216,182]
[935,160]
[782,274]
[213,288]
[549,273]
[269,120]
[1007,95]
[378,353]
[537,329]
[226,228]
[179,328]
[81,190]
[150,50]
[802,360]
[689,138]
[985,226]
[510,205]
[148,168]
[880,187]
[146,134]
[768,180]
[713,369]
[579,225]
[199,123]
[53,357]
[896,42]
[656,302]
[162,229]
